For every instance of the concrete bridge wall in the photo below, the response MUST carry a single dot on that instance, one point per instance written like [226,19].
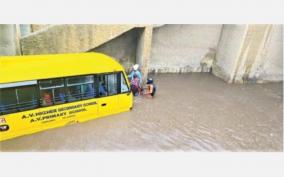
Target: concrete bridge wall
[70,38]
[184,48]
[235,53]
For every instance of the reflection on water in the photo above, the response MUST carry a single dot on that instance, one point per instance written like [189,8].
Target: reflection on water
[192,112]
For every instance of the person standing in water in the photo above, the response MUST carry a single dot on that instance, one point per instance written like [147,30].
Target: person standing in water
[135,71]
[135,80]
[150,89]
[135,86]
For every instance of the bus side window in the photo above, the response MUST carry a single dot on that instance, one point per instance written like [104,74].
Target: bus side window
[112,84]
[18,99]
[123,84]
[80,87]
[8,100]
[27,97]
[52,92]
[102,85]
[107,84]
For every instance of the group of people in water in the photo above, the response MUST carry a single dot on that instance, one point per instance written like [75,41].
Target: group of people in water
[135,78]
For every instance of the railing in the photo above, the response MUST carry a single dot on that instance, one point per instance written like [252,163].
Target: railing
[11,108]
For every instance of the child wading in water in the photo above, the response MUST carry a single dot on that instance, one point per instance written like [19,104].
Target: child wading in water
[135,77]
[135,86]
[150,89]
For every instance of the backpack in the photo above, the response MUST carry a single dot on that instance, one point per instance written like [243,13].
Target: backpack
[154,90]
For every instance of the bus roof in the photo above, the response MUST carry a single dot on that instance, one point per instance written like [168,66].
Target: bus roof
[35,67]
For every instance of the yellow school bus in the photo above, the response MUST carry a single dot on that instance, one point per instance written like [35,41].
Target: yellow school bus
[39,92]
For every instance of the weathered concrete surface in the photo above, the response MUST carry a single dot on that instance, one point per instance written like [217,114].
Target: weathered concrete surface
[269,61]
[191,112]
[250,53]
[122,48]
[228,48]
[9,40]
[71,38]
[144,50]
[131,47]
[184,48]
[37,27]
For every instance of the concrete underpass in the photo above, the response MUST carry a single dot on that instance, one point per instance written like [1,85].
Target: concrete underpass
[219,87]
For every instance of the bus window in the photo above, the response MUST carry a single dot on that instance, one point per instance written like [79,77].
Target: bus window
[102,85]
[27,97]
[52,91]
[112,84]
[8,100]
[88,90]
[107,84]
[80,87]
[123,84]
[19,98]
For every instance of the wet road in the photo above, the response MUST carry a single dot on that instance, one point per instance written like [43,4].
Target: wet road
[192,112]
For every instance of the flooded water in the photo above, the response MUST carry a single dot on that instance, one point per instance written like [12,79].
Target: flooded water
[191,112]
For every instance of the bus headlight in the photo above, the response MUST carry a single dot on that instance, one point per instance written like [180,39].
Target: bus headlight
[4,128]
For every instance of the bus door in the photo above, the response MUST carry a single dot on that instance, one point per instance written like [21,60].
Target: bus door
[125,97]
[108,90]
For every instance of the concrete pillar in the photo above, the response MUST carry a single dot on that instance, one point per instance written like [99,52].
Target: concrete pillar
[249,53]
[25,29]
[9,40]
[143,50]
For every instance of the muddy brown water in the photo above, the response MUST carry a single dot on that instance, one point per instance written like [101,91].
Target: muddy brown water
[191,112]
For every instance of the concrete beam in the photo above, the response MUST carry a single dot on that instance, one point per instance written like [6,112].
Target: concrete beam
[9,40]
[71,38]
[143,50]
